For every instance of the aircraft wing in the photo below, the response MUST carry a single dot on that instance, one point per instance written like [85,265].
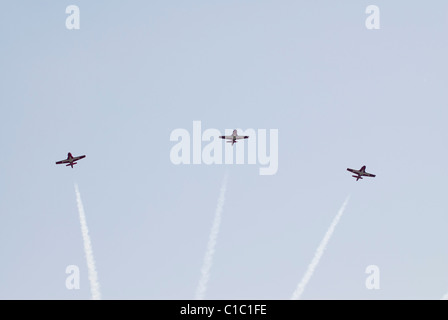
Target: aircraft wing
[77,158]
[226,137]
[351,170]
[368,174]
[241,137]
[62,161]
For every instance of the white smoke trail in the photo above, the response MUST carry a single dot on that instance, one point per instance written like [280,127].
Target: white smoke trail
[445,297]
[319,252]
[93,277]
[208,258]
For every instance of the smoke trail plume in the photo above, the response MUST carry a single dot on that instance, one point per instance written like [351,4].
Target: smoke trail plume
[205,271]
[93,277]
[319,252]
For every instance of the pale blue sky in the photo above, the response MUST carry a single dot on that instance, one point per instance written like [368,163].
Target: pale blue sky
[340,96]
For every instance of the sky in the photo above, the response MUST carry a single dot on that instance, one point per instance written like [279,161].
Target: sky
[339,95]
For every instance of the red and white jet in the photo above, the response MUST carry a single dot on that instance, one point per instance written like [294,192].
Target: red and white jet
[70,160]
[232,139]
[360,173]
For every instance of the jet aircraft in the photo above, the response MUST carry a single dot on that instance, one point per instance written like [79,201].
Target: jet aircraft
[360,173]
[232,139]
[71,160]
